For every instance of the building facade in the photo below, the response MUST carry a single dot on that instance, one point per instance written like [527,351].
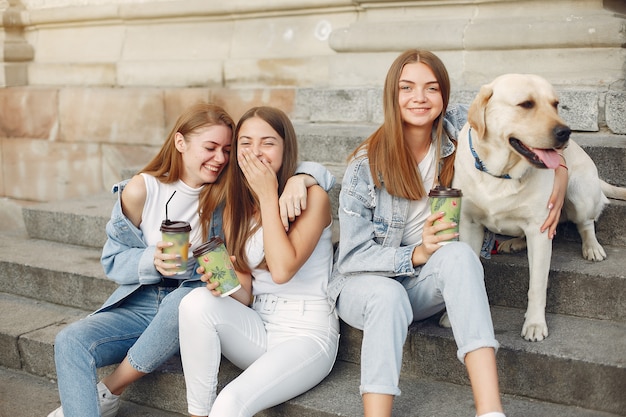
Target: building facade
[92,87]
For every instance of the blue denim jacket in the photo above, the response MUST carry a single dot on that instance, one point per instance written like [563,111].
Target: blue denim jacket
[372,221]
[127,259]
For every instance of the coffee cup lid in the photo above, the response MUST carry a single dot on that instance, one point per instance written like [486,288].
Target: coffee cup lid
[173,226]
[440,191]
[207,246]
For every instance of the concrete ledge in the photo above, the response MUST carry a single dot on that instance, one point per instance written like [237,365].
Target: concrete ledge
[615,109]
[576,286]
[80,221]
[54,272]
[22,319]
[608,151]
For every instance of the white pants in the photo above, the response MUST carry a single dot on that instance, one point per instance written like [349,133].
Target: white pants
[286,348]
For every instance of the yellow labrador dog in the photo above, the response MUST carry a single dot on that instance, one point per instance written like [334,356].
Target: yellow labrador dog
[505,162]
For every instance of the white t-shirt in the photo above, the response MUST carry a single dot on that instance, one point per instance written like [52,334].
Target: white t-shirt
[419,210]
[182,207]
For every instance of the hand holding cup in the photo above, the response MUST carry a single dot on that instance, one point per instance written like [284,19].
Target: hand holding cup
[218,267]
[165,263]
[447,201]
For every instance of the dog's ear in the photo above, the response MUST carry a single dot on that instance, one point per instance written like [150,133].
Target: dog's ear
[476,112]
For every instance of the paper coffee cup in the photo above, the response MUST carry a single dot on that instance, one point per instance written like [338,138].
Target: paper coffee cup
[177,232]
[447,200]
[212,255]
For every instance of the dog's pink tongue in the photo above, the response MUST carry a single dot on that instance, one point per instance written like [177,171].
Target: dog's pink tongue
[549,157]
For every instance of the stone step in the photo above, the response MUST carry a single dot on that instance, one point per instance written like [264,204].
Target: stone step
[332,143]
[55,272]
[576,286]
[535,377]
[27,395]
[581,108]
[78,221]
[72,275]
[608,151]
[608,227]
[82,221]
[588,351]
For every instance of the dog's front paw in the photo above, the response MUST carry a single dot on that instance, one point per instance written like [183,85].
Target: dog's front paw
[516,244]
[534,332]
[593,252]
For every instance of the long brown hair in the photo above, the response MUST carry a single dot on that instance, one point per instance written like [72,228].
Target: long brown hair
[390,160]
[167,165]
[241,202]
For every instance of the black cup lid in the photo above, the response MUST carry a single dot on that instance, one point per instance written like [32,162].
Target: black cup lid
[207,246]
[440,191]
[175,226]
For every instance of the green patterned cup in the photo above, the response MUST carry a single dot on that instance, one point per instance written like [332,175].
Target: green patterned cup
[447,200]
[177,232]
[212,255]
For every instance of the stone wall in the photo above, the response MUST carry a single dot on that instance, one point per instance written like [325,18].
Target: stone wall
[59,143]
[184,43]
[93,86]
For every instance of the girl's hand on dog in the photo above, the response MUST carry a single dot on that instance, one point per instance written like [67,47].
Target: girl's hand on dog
[556,202]
[430,241]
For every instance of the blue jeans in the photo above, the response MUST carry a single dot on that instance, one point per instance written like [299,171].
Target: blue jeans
[384,307]
[144,326]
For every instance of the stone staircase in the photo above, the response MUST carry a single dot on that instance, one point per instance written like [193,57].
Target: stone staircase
[50,275]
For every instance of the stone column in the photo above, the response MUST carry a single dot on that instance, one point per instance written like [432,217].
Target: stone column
[15,52]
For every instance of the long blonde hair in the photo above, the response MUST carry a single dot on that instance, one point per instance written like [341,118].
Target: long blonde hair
[390,160]
[167,165]
[241,202]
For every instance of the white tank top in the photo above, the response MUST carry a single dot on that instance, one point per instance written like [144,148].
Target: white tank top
[309,283]
[183,206]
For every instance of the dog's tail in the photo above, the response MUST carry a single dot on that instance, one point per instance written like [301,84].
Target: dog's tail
[611,191]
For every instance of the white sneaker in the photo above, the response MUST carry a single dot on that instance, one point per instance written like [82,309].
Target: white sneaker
[57,413]
[109,403]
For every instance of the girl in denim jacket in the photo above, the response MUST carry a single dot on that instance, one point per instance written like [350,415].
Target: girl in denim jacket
[138,324]
[391,268]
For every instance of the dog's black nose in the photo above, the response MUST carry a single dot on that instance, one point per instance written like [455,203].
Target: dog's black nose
[561,133]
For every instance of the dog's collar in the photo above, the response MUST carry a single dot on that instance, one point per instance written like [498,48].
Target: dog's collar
[477,161]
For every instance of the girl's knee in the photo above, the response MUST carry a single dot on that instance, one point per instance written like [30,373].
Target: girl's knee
[199,302]
[228,403]
[191,303]
[462,250]
[63,339]
[389,288]
[390,298]
[69,336]
[459,257]
[71,341]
